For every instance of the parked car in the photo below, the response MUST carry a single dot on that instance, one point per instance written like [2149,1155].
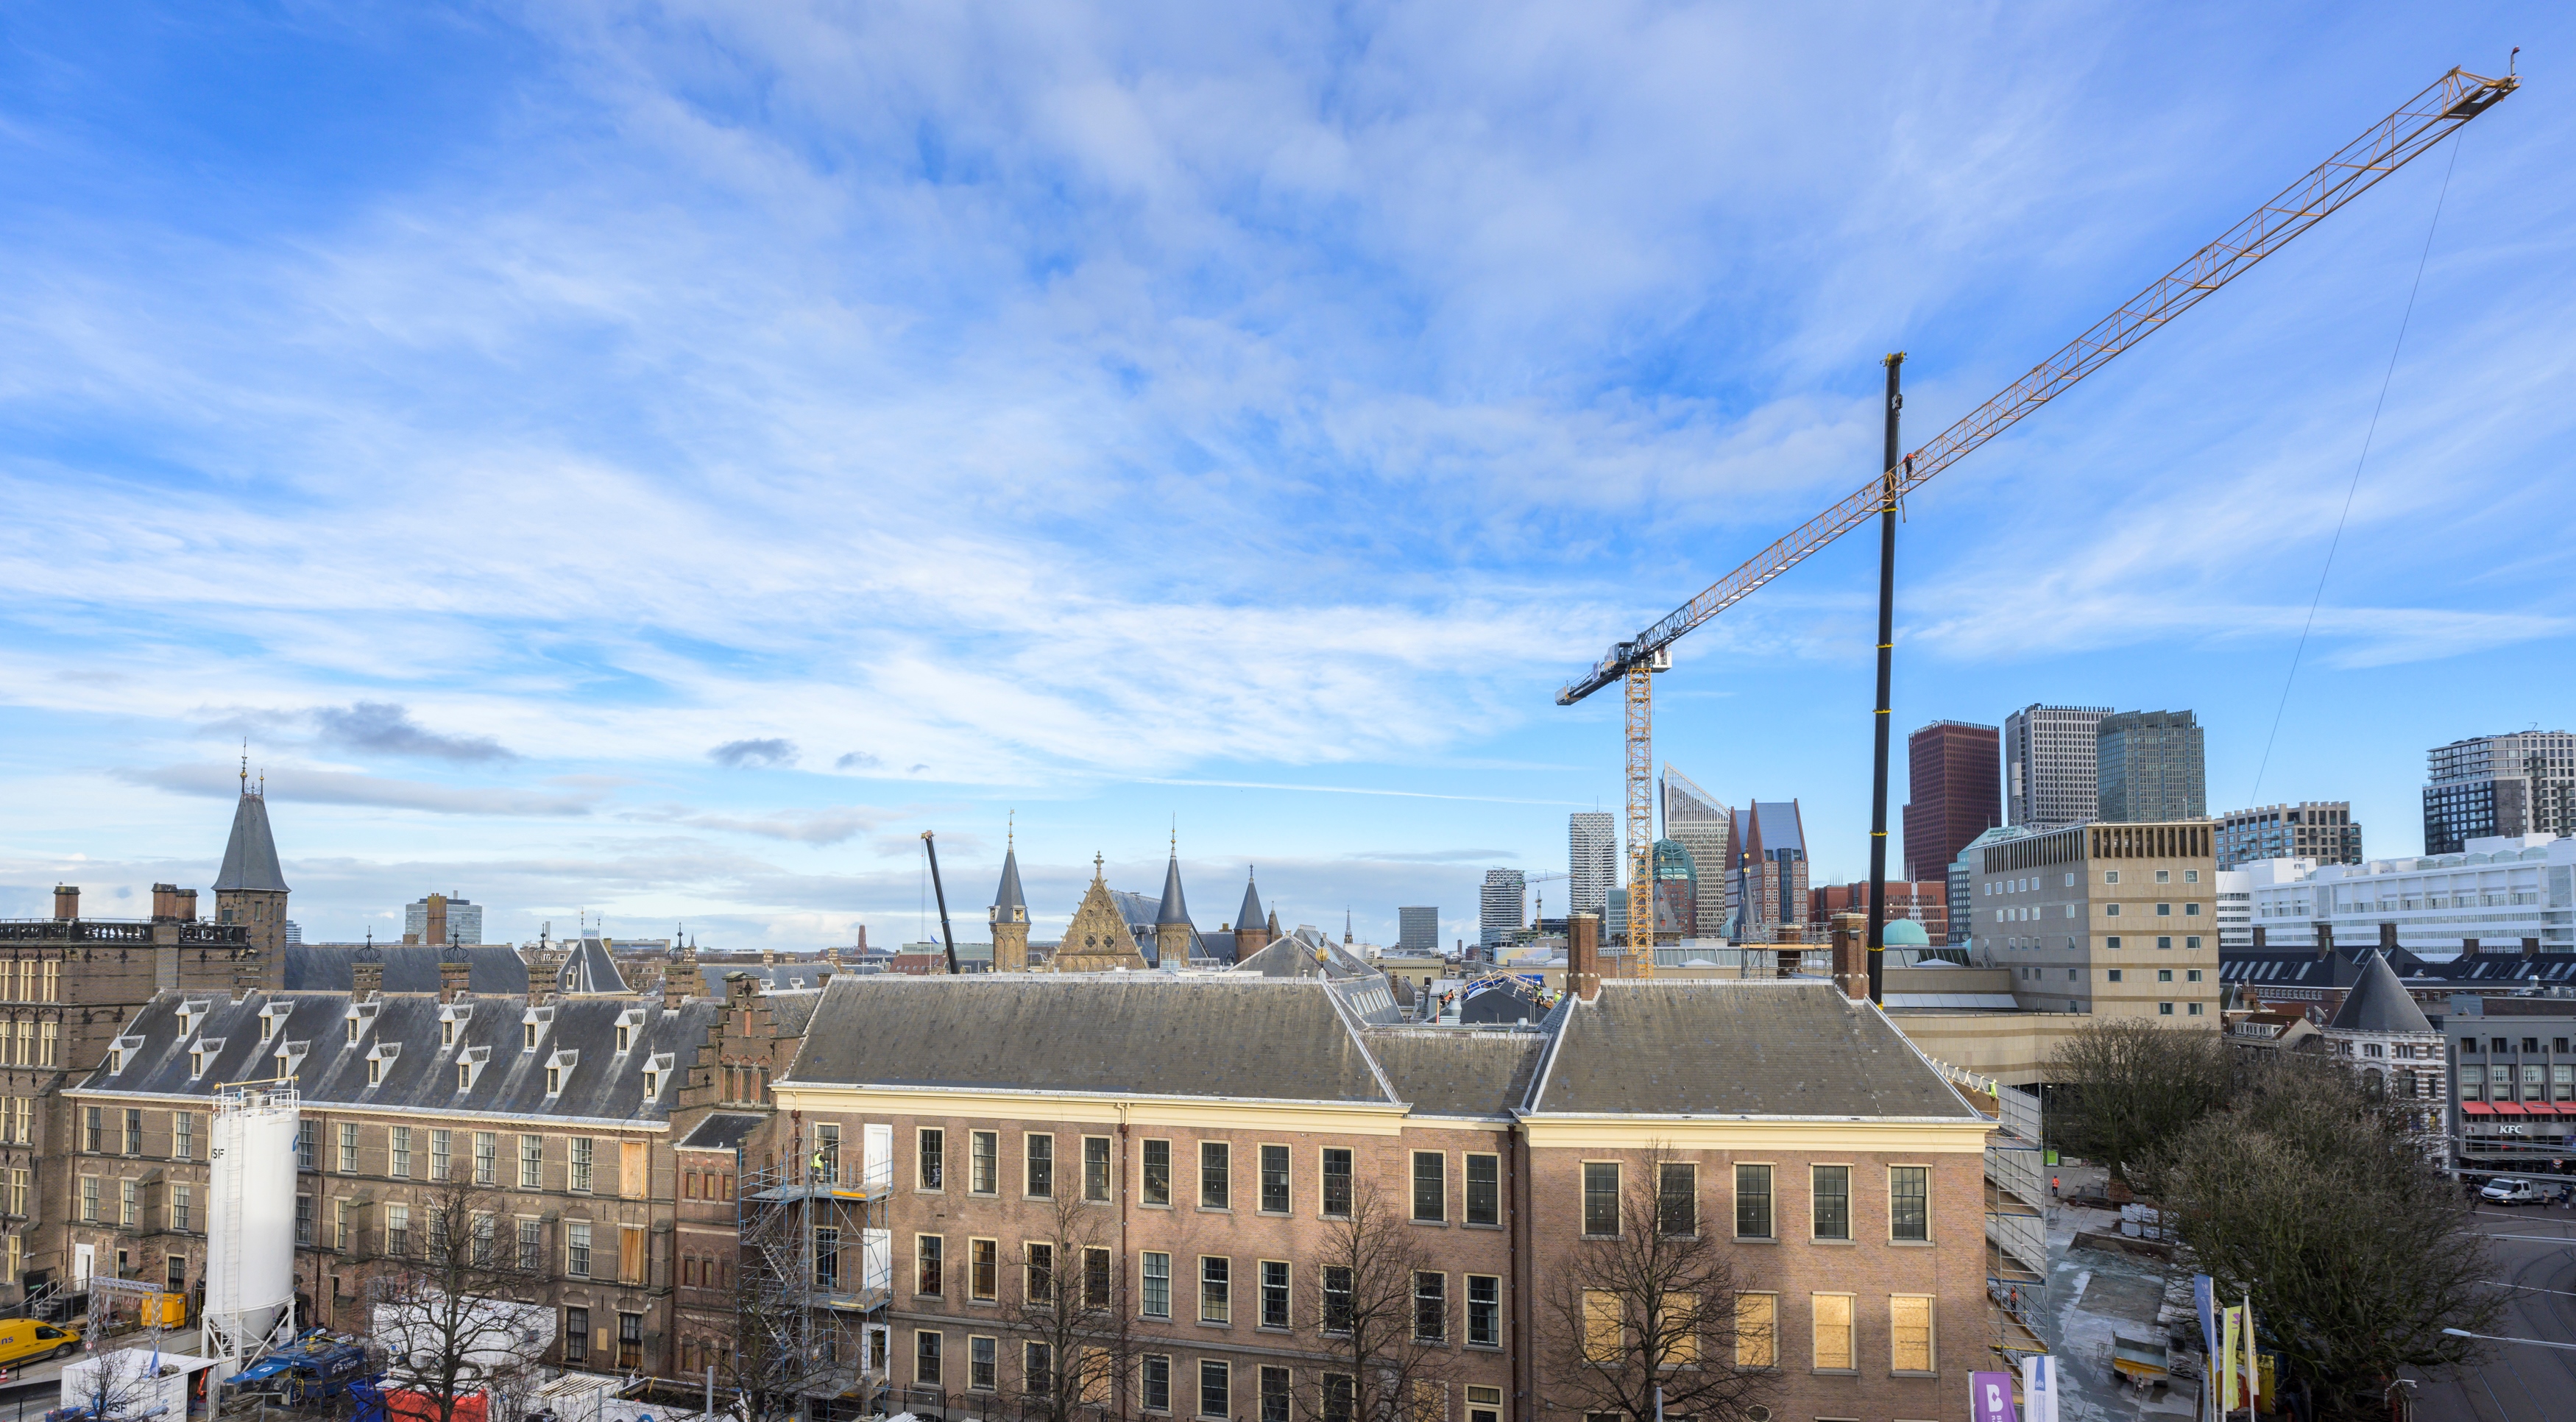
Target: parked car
[23,1338]
[2506,1190]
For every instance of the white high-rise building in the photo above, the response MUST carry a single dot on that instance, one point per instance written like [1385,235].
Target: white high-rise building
[2235,908]
[1695,820]
[464,921]
[1592,861]
[2052,761]
[1503,906]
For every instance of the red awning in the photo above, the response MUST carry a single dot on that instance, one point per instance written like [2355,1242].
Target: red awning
[2476,1108]
[2508,1108]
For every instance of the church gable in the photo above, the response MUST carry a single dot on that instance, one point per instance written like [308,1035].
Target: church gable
[1097,939]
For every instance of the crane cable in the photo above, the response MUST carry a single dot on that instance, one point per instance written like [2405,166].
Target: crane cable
[2355,487]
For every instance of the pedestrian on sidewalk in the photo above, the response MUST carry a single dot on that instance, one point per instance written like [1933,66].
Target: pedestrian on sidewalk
[2052,1187]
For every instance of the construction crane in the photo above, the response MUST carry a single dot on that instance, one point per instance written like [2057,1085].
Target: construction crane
[2382,149]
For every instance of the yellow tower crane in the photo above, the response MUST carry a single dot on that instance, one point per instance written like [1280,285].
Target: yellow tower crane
[2382,149]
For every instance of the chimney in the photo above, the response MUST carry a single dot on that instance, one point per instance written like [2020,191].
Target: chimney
[1583,955]
[366,974]
[246,974]
[1851,955]
[164,905]
[455,975]
[679,980]
[1792,938]
[2388,938]
[184,905]
[769,957]
[66,902]
[2261,935]
[2468,947]
[2531,947]
[434,922]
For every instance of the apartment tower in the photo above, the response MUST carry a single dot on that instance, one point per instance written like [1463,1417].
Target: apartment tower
[2515,784]
[1592,861]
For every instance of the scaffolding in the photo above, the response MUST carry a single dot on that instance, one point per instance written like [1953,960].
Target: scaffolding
[814,1325]
[2016,1228]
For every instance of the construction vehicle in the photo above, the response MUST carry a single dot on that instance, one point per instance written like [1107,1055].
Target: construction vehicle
[317,1367]
[2413,129]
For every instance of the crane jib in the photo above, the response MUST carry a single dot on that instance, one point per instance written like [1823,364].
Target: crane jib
[2388,145]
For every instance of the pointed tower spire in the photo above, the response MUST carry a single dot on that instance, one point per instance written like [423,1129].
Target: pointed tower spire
[250,890]
[1010,912]
[1172,930]
[1250,936]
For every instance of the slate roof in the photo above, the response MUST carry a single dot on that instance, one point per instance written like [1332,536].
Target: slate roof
[409,967]
[1754,1048]
[600,1083]
[1294,957]
[250,854]
[1444,1071]
[589,968]
[721,1130]
[801,976]
[2378,1003]
[1129,1034]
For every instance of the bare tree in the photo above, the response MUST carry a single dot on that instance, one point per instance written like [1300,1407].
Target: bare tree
[117,1387]
[1384,1344]
[2122,1090]
[444,1305]
[2309,1195]
[1645,1320]
[762,1367]
[1073,1305]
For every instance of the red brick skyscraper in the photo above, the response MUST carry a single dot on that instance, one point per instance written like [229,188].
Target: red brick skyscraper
[1954,784]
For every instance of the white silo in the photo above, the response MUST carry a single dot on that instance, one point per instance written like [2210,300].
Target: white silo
[250,1224]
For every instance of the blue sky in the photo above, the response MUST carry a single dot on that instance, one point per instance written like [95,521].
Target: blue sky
[656,460]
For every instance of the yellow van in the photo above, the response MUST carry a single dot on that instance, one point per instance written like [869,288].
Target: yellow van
[22,1339]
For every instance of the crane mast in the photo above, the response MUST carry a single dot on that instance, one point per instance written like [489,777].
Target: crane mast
[2387,145]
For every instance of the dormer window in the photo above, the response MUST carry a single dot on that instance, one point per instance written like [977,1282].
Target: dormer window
[191,1016]
[627,1022]
[377,1057]
[469,1065]
[290,1057]
[533,1025]
[272,1019]
[656,1067]
[558,1067]
[119,1050]
[362,1015]
[202,1056]
[451,1022]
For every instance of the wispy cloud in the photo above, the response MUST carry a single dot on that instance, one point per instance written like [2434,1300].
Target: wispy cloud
[333,787]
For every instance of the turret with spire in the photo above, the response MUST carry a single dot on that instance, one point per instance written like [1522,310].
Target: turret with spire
[250,890]
[1252,932]
[1010,911]
[1172,928]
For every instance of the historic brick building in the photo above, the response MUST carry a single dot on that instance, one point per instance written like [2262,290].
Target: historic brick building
[1211,1138]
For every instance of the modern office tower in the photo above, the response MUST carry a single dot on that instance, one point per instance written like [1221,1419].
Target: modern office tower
[2491,786]
[1592,860]
[1695,820]
[2049,758]
[1953,793]
[442,918]
[1417,930]
[2147,766]
[1503,905]
[2321,830]
[1771,870]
